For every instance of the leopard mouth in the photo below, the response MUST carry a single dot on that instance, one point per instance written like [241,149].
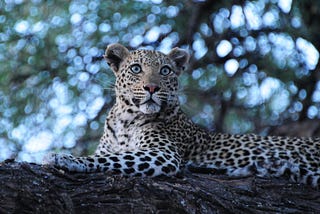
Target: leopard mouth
[149,102]
[149,107]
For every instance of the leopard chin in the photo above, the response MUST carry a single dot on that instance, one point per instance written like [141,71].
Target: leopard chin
[150,107]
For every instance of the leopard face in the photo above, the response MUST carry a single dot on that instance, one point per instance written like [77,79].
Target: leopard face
[150,81]
[146,79]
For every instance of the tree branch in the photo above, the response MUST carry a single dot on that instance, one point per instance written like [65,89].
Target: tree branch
[31,188]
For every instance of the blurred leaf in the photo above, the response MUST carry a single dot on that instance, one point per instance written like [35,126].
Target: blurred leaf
[56,89]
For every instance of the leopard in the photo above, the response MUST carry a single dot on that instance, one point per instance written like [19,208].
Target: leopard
[146,132]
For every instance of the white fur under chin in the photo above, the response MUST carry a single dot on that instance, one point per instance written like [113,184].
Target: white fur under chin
[149,108]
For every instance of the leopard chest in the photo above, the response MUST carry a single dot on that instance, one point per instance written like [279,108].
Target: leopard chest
[125,137]
[124,131]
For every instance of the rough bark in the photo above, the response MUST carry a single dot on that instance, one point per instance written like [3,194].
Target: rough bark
[31,188]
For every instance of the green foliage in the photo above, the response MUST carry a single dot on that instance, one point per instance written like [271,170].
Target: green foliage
[254,65]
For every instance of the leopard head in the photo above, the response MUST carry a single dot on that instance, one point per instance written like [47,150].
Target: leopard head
[146,79]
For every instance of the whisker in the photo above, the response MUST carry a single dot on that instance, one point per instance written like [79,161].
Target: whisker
[103,82]
[163,97]
[162,93]
[139,92]
[109,86]
[190,108]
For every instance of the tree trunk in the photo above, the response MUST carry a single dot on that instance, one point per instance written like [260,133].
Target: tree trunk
[31,188]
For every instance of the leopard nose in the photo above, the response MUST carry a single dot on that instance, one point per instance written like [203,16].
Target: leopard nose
[152,88]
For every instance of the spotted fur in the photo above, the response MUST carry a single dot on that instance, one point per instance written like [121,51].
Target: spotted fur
[147,134]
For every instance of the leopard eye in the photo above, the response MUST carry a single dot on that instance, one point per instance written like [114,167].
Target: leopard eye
[165,70]
[135,68]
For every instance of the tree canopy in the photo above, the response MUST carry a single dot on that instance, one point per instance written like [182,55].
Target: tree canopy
[254,65]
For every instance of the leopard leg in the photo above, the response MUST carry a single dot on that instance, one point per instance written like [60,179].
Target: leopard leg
[151,162]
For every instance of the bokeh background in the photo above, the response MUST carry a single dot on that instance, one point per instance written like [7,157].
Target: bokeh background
[254,66]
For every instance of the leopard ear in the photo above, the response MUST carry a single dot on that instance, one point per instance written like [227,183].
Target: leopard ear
[180,57]
[115,54]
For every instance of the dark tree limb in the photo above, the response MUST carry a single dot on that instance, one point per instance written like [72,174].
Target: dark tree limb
[31,188]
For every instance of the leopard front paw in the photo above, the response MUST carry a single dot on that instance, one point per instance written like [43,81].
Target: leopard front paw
[62,161]
[66,162]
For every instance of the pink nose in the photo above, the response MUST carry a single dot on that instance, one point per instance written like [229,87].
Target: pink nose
[152,88]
